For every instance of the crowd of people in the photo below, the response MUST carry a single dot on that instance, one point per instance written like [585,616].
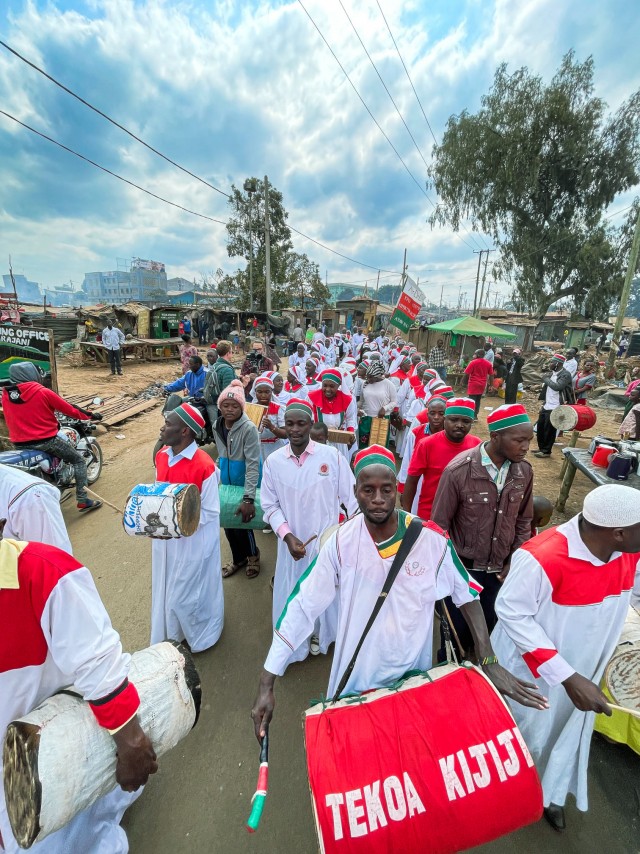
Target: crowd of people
[538,609]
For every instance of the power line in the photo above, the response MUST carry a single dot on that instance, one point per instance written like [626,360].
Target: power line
[407,72]
[113,121]
[108,171]
[362,101]
[375,68]
[160,154]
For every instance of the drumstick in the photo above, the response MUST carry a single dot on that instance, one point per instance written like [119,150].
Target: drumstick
[310,540]
[104,501]
[453,629]
[260,796]
[633,712]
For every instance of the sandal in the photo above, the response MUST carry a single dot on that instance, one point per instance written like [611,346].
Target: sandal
[253,566]
[231,569]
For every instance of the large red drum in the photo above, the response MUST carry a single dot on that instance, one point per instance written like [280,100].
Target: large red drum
[573,416]
[437,764]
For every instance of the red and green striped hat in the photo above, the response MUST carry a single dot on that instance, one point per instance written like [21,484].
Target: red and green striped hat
[429,374]
[375,455]
[191,416]
[332,374]
[506,416]
[445,391]
[460,406]
[297,404]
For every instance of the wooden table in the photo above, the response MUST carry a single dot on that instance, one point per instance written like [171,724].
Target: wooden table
[145,349]
[579,459]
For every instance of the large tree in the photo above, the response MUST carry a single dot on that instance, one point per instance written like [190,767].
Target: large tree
[246,231]
[536,168]
[304,286]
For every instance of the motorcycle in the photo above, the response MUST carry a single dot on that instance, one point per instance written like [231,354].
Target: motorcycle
[172,402]
[54,470]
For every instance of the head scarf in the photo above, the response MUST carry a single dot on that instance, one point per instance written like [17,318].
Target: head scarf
[24,372]
[375,369]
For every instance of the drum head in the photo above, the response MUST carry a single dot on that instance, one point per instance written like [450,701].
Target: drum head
[190,510]
[564,418]
[622,678]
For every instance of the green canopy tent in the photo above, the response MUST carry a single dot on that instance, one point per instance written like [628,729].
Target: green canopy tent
[472,326]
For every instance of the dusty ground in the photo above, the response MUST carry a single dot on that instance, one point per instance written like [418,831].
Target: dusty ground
[199,800]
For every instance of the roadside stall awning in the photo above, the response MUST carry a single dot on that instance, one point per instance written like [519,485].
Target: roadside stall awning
[472,326]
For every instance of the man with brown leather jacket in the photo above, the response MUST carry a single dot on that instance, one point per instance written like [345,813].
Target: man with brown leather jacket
[485,502]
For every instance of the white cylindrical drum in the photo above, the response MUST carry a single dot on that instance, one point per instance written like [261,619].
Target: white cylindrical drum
[58,760]
[162,510]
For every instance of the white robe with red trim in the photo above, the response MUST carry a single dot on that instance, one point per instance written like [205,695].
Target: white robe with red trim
[32,509]
[57,633]
[352,569]
[344,417]
[187,601]
[308,499]
[561,611]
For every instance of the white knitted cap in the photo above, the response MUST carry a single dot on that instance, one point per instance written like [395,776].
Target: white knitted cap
[612,506]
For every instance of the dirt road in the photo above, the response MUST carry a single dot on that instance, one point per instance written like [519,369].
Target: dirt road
[199,800]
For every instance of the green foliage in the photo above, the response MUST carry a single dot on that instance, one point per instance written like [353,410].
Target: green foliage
[294,278]
[536,167]
[389,294]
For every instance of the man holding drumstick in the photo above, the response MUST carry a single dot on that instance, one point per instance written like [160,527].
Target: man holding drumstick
[56,633]
[353,565]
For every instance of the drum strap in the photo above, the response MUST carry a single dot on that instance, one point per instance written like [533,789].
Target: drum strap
[408,541]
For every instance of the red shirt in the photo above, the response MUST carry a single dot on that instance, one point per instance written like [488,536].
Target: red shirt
[430,456]
[32,418]
[478,370]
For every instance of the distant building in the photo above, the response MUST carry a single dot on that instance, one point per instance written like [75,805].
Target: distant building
[27,291]
[64,295]
[179,284]
[143,281]
[340,291]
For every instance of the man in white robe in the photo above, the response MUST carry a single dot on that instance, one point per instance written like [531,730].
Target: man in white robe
[352,566]
[187,601]
[303,488]
[32,509]
[57,633]
[560,615]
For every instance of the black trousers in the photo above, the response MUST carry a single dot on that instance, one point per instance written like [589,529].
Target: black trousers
[476,398]
[490,589]
[510,391]
[545,431]
[242,544]
[114,360]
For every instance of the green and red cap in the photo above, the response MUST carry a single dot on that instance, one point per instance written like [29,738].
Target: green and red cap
[460,406]
[191,416]
[298,404]
[509,415]
[375,455]
[332,374]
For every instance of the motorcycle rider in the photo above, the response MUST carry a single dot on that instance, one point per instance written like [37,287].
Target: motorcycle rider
[29,409]
[193,381]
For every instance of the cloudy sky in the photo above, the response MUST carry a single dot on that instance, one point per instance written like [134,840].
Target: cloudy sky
[231,89]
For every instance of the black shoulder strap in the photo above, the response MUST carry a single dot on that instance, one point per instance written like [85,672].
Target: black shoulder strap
[408,541]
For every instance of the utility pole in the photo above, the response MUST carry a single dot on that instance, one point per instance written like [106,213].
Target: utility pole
[440,310]
[378,284]
[13,283]
[267,247]
[484,276]
[479,253]
[404,271]
[250,186]
[624,296]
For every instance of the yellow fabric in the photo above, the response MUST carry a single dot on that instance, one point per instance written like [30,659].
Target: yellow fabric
[623,728]
[9,553]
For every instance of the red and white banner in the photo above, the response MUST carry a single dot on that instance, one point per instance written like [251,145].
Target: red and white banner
[434,766]
[408,306]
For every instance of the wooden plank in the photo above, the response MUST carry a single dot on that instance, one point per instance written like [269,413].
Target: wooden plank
[133,410]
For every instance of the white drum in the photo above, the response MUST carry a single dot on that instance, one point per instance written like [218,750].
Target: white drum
[162,510]
[58,760]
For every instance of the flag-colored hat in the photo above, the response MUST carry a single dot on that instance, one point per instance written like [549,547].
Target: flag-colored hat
[430,373]
[191,416]
[439,398]
[297,404]
[263,381]
[559,357]
[507,416]
[420,364]
[445,391]
[375,455]
[332,374]
[460,406]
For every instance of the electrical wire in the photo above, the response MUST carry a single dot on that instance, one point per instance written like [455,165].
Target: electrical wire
[386,89]
[160,154]
[362,101]
[108,171]
[407,72]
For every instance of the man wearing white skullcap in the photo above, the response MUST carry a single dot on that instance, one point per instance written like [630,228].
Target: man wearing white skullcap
[560,615]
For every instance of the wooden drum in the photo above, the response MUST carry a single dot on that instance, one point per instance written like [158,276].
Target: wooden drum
[58,760]
[622,676]
[379,432]
[162,510]
[573,417]
[340,437]
[427,765]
